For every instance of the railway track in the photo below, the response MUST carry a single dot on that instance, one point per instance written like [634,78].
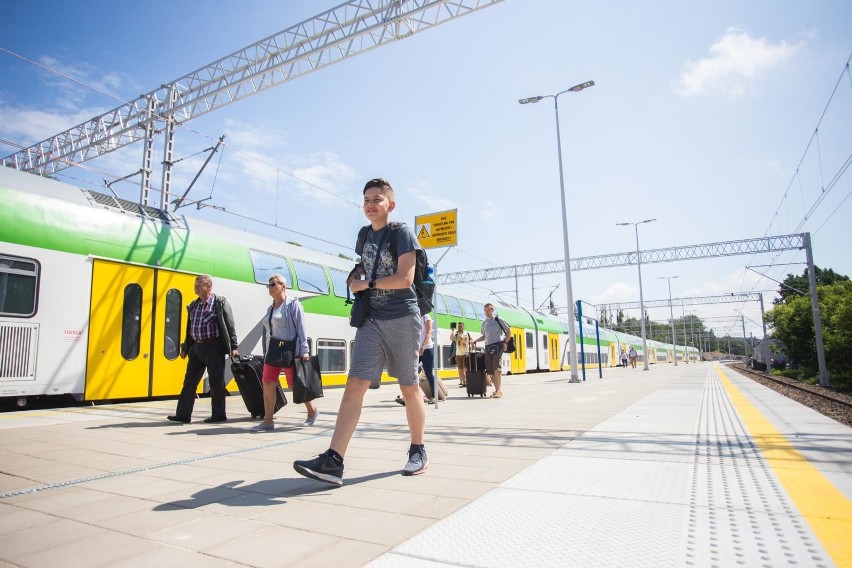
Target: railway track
[837,406]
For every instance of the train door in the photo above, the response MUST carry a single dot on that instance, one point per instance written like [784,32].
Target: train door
[553,351]
[135,323]
[174,291]
[518,358]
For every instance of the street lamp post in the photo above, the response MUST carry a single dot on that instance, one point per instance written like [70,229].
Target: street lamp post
[572,333]
[641,298]
[671,312]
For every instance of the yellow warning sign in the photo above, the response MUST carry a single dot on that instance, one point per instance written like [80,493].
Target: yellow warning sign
[436,229]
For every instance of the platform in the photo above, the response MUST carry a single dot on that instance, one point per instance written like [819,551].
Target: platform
[679,466]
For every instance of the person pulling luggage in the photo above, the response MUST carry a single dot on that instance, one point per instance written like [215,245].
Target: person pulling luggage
[210,336]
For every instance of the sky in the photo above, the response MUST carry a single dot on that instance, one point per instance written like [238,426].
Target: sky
[723,121]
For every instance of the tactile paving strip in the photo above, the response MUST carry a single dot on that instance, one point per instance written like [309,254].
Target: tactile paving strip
[674,480]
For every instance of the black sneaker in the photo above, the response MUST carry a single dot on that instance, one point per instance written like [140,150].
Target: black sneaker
[417,462]
[215,420]
[178,419]
[322,468]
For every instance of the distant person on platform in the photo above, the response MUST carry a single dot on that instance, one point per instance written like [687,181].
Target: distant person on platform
[389,337]
[632,355]
[210,337]
[496,336]
[464,344]
[624,359]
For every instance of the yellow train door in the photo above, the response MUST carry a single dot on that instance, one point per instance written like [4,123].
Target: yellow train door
[518,358]
[119,358]
[174,291]
[137,319]
[553,351]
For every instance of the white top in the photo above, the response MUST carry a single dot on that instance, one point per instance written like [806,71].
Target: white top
[423,337]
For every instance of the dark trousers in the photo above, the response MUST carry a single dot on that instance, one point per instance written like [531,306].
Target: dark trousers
[428,361]
[210,356]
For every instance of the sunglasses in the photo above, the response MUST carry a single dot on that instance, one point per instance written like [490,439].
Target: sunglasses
[274,284]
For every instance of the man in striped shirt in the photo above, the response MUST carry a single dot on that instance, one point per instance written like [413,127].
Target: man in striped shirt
[210,336]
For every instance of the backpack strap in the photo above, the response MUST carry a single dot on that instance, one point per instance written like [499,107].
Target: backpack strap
[362,238]
[500,323]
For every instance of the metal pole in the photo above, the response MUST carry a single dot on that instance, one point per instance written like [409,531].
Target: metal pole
[641,302]
[517,300]
[598,339]
[745,339]
[671,315]
[582,346]
[532,286]
[762,316]
[683,319]
[569,291]
[823,372]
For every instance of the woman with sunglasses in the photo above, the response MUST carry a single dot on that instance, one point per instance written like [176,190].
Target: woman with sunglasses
[285,320]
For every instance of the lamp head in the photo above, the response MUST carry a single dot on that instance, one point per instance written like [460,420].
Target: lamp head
[581,86]
[529,100]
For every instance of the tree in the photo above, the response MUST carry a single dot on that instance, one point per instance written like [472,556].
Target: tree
[798,285]
[793,324]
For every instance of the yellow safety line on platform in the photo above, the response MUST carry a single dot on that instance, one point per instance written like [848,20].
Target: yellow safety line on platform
[826,508]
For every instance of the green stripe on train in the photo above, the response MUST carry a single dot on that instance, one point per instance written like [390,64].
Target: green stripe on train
[87,231]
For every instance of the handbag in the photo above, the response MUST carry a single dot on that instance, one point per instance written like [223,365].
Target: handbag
[307,380]
[280,352]
[361,303]
[451,359]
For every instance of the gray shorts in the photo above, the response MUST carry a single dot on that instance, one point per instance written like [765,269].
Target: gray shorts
[493,357]
[393,344]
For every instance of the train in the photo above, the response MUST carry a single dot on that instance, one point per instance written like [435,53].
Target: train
[94,288]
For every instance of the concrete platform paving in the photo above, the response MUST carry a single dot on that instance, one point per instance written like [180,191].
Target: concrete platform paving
[118,485]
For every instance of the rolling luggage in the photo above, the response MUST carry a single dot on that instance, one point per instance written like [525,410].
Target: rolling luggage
[475,374]
[442,390]
[248,371]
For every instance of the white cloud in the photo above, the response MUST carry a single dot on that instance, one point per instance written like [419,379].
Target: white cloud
[735,61]
[424,194]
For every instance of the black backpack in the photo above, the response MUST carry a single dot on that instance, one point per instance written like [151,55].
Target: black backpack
[424,285]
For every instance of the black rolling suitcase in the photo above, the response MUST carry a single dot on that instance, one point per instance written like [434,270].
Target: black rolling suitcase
[475,374]
[248,371]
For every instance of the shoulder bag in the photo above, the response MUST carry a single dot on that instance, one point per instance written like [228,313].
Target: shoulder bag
[510,345]
[361,303]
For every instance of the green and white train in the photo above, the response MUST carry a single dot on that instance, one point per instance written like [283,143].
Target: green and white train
[93,292]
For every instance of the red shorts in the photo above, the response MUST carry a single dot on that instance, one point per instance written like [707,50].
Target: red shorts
[271,374]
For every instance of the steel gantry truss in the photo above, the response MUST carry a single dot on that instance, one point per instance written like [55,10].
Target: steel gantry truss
[337,34]
[671,254]
[780,243]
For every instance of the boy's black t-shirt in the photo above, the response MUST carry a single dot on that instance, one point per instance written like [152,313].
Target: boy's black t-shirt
[389,304]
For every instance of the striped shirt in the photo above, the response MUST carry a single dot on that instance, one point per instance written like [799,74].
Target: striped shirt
[202,321]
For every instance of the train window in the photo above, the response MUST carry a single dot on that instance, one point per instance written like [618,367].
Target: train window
[171,336]
[332,355]
[311,277]
[454,306]
[265,265]
[131,321]
[441,305]
[480,310]
[469,310]
[338,280]
[544,340]
[529,337]
[18,286]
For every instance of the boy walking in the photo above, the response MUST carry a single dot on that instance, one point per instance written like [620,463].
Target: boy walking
[390,337]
